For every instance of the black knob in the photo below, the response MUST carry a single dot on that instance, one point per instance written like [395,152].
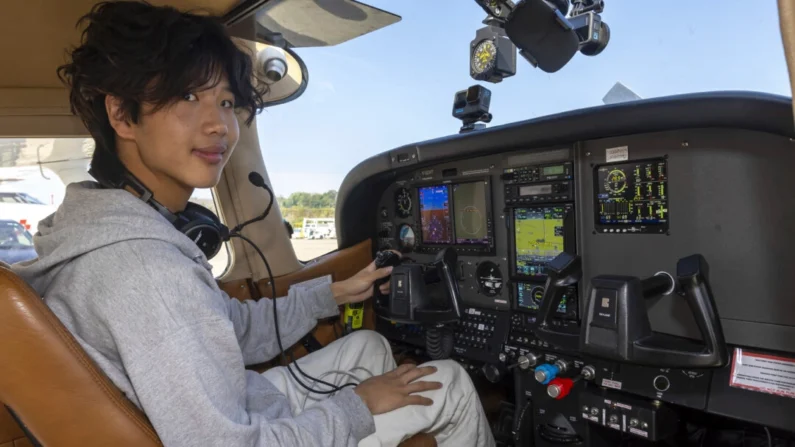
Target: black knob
[661,383]
[492,372]
[386,259]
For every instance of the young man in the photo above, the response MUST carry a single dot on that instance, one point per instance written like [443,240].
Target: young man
[160,92]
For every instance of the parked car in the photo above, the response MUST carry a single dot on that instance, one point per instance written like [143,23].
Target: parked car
[24,209]
[16,243]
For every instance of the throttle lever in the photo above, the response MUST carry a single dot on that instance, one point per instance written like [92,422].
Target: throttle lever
[562,272]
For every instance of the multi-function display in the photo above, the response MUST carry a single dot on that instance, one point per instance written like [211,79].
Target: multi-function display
[539,235]
[632,197]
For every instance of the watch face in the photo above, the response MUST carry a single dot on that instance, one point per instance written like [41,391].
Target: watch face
[483,56]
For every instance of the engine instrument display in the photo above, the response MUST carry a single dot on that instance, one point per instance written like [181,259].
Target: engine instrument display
[539,236]
[632,197]
[529,297]
[469,205]
[435,214]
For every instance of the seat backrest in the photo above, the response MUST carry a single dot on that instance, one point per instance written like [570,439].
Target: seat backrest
[51,384]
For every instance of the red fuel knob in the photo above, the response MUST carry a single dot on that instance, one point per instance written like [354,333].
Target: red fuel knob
[559,388]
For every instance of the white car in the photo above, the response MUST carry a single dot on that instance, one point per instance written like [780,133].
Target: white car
[25,209]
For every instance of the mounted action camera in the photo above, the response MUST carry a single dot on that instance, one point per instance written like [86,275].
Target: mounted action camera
[472,105]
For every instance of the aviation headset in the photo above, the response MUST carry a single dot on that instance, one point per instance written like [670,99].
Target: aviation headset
[196,222]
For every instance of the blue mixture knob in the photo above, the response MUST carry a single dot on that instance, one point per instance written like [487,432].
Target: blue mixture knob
[546,372]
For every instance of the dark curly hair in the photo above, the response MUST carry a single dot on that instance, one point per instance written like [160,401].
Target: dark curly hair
[141,53]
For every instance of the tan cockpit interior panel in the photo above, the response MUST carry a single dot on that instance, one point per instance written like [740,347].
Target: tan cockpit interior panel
[38,33]
[786,14]
[43,29]
[241,201]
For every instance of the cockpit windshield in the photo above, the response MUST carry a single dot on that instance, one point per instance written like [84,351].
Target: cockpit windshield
[396,85]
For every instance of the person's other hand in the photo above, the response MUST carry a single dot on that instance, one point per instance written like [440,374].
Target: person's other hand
[396,389]
[360,286]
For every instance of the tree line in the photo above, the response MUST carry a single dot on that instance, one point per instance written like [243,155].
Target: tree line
[327,199]
[297,206]
[300,205]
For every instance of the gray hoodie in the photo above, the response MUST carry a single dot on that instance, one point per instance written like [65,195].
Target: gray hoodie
[140,298]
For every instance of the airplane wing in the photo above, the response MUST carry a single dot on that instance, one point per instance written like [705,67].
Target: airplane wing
[620,93]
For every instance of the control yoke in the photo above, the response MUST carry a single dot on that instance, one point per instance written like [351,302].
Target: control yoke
[616,324]
[562,272]
[424,293]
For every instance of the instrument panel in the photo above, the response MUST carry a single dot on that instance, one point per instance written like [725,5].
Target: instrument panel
[508,214]
[506,219]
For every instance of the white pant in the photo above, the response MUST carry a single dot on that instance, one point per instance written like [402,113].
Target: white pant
[456,417]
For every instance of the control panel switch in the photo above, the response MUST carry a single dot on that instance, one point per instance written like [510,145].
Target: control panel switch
[527,361]
[559,388]
[546,373]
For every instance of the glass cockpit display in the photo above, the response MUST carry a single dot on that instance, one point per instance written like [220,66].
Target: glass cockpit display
[539,236]
[469,205]
[529,297]
[632,197]
[435,214]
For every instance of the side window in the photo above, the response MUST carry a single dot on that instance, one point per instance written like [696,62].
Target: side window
[310,218]
[305,191]
[33,177]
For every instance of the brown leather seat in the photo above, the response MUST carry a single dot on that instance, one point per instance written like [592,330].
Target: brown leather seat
[56,390]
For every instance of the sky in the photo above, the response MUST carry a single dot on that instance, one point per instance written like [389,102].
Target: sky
[395,86]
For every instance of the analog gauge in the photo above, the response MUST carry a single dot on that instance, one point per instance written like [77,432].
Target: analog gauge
[403,203]
[406,238]
[484,56]
[616,181]
[489,278]
[537,295]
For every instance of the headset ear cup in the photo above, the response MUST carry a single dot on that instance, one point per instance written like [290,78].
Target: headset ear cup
[194,209]
[204,228]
